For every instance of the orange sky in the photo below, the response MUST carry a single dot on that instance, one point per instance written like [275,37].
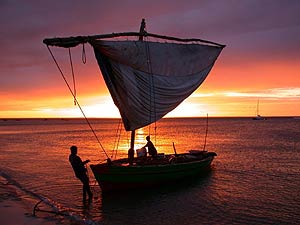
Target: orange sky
[261,60]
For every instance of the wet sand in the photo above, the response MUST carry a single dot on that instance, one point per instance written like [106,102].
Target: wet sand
[14,211]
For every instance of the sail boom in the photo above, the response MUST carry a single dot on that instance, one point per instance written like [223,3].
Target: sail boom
[67,42]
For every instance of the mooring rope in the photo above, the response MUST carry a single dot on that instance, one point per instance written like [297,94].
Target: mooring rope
[76,101]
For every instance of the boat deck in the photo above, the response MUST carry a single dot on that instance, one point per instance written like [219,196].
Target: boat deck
[163,159]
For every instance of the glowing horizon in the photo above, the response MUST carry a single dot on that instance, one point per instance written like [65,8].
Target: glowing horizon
[260,61]
[242,104]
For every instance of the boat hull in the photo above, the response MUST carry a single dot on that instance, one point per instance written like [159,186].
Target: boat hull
[120,177]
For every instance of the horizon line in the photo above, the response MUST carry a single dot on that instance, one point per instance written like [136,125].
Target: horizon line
[186,117]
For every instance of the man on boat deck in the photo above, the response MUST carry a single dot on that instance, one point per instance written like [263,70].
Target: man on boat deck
[151,149]
[80,171]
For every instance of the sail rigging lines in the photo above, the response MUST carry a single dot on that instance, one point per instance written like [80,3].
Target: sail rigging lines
[117,140]
[152,103]
[76,101]
[151,86]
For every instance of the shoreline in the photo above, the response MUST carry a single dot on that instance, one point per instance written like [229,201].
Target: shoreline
[13,210]
[16,208]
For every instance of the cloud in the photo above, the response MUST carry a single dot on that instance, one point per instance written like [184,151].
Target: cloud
[253,30]
[290,93]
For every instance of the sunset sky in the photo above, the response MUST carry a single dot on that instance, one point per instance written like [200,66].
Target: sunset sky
[261,59]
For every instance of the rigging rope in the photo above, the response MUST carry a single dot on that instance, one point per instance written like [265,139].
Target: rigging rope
[117,140]
[152,92]
[71,63]
[206,132]
[75,99]
[83,56]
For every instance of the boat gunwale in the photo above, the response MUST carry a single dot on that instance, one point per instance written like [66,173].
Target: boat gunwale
[207,158]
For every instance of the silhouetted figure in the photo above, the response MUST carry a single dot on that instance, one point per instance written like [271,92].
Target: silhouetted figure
[130,156]
[80,171]
[142,30]
[151,149]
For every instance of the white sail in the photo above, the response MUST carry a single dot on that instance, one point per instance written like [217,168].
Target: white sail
[149,79]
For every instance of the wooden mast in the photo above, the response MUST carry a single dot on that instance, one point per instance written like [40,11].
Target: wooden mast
[141,38]
[142,30]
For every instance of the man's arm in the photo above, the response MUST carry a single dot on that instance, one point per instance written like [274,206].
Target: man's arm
[86,161]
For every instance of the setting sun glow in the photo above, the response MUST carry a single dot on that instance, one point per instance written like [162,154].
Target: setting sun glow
[260,60]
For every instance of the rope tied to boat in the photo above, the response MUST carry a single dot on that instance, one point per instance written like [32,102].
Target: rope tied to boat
[76,101]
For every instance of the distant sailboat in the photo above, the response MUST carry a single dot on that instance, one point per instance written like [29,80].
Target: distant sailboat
[258,116]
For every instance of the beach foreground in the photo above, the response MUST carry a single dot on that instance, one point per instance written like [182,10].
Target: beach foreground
[13,211]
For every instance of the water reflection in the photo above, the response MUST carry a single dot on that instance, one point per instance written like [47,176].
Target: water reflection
[140,138]
[157,205]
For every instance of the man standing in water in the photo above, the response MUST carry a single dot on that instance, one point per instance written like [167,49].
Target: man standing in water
[80,171]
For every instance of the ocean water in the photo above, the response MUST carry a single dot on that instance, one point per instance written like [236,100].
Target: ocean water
[255,179]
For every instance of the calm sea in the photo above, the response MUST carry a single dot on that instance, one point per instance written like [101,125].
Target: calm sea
[255,179]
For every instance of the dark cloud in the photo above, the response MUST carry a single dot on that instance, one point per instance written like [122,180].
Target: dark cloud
[251,28]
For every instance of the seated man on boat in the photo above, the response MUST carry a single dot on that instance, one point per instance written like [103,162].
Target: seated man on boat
[80,171]
[151,149]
